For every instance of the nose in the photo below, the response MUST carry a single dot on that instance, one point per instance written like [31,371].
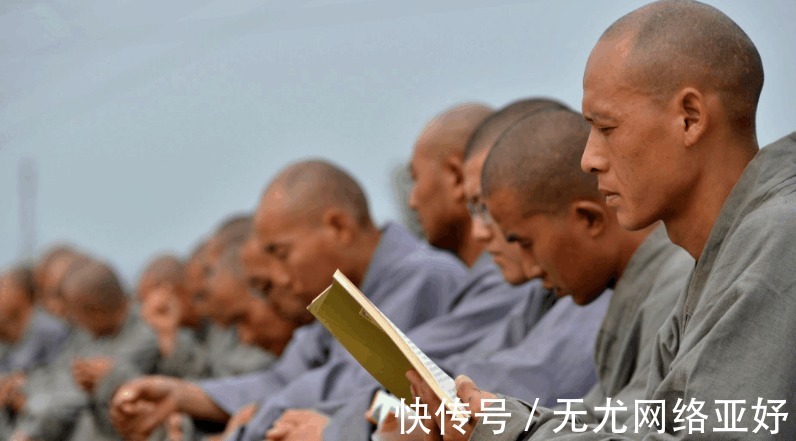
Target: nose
[279,275]
[594,159]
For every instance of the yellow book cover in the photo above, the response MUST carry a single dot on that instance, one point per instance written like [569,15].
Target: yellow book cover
[379,346]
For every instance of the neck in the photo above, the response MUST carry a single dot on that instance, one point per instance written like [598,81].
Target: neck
[628,245]
[362,253]
[469,249]
[690,226]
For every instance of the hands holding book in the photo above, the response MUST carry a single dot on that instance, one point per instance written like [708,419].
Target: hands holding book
[467,392]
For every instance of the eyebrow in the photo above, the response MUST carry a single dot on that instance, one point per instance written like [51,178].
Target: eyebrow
[597,116]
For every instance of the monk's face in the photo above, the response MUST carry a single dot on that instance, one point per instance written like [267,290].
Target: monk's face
[302,251]
[437,194]
[195,298]
[14,311]
[227,296]
[255,265]
[557,243]
[97,321]
[261,326]
[51,296]
[635,146]
[505,255]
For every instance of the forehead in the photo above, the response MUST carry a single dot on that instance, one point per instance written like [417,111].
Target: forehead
[502,205]
[275,217]
[605,77]
[505,210]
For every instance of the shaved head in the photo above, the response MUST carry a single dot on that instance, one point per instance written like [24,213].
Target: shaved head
[449,132]
[231,260]
[678,43]
[311,187]
[538,159]
[21,278]
[233,230]
[52,254]
[94,284]
[437,194]
[487,133]
[165,268]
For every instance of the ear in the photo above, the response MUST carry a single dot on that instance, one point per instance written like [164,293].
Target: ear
[340,225]
[692,109]
[590,216]
[453,165]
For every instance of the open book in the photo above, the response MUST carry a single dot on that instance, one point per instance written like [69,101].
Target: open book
[378,345]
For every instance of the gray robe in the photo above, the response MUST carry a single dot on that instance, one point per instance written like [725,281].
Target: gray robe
[55,402]
[481,303]
[644,297]
[731,334]
[41,343]
[187,360]
[403,272]
[228,356]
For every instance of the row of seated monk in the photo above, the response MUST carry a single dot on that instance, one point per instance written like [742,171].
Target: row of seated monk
[570,266]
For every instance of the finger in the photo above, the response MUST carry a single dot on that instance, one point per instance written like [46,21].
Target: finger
[469,393]
[124,396]
[422,390]
[389,424]
[434,433]
[277,433]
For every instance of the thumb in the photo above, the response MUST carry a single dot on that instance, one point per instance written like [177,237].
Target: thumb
[468,392]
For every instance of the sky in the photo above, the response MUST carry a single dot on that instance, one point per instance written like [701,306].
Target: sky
[137,126]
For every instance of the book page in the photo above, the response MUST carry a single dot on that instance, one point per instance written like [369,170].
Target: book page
[445,382]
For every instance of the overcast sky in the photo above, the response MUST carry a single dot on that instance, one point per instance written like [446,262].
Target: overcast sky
[149,121]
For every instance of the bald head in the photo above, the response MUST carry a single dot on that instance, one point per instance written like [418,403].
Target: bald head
[487,133]
[165,268]
[231,261]
[310,187]
[538,159]
[21,280]
[448,133]
[52,254]
[233,230]
[677,43]
[94,285]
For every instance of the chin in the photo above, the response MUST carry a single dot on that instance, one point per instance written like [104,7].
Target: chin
[633,223]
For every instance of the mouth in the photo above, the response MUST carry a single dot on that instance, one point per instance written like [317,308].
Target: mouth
[610,196]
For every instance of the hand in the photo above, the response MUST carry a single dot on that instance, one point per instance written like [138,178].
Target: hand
[241,418]
[19,436]
[468,393]
[298,425]
[174,430]
[88,372]
[390,430]
[11,389]
[141,405]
